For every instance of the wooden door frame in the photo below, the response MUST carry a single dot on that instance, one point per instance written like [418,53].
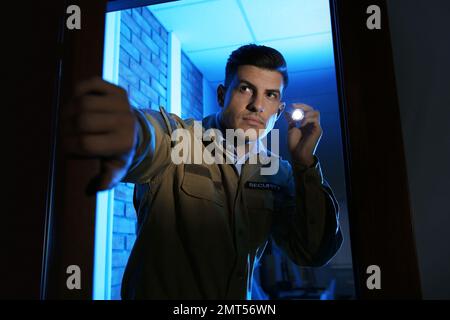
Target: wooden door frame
[381,227]
[71,228]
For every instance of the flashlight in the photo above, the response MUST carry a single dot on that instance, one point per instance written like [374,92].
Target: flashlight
[298,115]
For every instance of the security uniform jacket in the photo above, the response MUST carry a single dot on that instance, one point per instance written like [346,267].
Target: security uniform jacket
[202,228]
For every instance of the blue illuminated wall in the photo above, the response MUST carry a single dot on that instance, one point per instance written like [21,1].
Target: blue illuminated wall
[191,90]
[143,74]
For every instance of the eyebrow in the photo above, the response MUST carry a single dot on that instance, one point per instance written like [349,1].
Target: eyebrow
[251,85]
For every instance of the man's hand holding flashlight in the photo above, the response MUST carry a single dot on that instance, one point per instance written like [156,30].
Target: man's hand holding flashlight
[303,133]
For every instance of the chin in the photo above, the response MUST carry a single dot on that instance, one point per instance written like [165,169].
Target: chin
[251,137]
[252,133]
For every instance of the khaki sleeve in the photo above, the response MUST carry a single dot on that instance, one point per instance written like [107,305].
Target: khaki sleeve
[153,147]
[307,227]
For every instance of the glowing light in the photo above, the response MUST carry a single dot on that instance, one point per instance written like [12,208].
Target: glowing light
[298,115]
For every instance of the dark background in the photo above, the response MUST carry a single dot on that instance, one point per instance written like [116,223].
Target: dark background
[421,49]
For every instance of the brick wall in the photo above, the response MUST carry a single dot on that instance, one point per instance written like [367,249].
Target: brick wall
[191,90]
[124,229]
[143,58]
[143,72]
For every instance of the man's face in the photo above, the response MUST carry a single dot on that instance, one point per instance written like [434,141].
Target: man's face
[252,100]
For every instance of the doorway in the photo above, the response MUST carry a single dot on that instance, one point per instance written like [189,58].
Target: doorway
[162,58]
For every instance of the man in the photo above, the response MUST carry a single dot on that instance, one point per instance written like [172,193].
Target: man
[202,227]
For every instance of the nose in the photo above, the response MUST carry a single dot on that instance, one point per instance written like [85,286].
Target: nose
[256,104]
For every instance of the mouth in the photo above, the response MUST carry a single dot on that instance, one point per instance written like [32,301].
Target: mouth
[253,121]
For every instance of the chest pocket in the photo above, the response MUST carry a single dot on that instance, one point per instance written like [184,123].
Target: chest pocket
[198,183]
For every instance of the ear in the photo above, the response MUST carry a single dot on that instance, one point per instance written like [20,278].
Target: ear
[221,95]
[281,109]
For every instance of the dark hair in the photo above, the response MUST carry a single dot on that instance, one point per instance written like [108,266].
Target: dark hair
[258,56]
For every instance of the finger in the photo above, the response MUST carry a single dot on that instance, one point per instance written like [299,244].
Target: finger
[101,182]
[94,104]
[96,85]
[97,145]
[98,123]
[290,121]
[302,106]
[307,121]
[93,119]
[108,172]
[108,176]
[311,114]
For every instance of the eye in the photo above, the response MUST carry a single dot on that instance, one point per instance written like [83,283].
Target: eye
[245,89]
[272,95]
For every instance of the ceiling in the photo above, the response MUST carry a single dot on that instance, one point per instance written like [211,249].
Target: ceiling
[210,29]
